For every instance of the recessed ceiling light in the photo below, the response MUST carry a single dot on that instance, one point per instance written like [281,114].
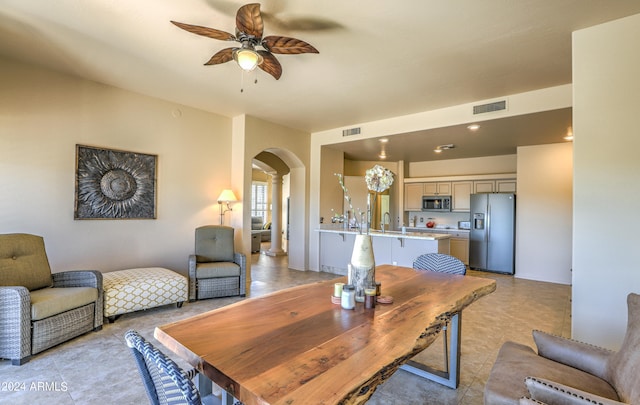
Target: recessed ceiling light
[382,156]
[569,135]
[384,140]
[473,127]
[440,148]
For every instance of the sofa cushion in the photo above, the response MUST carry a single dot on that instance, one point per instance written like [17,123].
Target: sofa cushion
[214,244]
[515,362]
[23,261]
[217,269]
[47,302]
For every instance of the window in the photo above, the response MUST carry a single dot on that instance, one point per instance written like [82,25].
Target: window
[259,200]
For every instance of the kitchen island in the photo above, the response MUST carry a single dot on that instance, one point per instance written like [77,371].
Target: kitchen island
[391,247]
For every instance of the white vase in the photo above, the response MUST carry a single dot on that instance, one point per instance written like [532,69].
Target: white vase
[363,265]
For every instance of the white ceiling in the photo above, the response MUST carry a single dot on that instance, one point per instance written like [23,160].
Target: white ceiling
[378,58]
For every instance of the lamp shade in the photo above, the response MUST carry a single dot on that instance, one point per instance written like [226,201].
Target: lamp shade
[227,196]
[247,58]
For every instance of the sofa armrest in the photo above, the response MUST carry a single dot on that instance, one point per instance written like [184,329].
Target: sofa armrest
[84,278]
[588,358]
[15,324]
[192,277]
[241,260]
[552,393]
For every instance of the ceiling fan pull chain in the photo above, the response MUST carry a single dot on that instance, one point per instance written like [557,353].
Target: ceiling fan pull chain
[242,82]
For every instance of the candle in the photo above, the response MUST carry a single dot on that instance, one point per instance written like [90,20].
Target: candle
[337,289]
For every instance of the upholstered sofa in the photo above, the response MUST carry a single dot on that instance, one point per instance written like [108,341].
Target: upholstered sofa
[258,226]
[38,309]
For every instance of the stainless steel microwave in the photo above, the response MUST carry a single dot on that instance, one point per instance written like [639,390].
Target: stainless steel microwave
[436,203]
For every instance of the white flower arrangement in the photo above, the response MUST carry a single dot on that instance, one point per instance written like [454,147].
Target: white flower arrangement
[378,178]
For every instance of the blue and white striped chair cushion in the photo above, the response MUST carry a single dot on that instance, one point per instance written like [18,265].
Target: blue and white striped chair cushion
[165,381]
[441,263]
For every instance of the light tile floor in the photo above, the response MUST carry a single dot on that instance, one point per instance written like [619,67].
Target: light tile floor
[97,368]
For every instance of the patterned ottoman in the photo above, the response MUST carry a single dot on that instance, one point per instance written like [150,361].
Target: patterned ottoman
[135,289]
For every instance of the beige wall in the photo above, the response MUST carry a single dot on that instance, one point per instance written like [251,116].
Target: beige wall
[544,212]
[43,115]
[290,145]
[606,63]
[461,167]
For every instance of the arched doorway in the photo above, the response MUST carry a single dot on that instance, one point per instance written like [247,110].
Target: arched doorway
[269,204]
[287,188]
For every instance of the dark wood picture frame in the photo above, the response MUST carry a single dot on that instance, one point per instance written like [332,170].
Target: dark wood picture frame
[114,184]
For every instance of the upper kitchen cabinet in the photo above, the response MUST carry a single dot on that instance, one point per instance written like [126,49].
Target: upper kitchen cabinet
[439,188]
[461,196]
[484,186]
[494,186]
[413,193]
[506,186]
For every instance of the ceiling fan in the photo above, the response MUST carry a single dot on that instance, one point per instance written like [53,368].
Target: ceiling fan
[249,28]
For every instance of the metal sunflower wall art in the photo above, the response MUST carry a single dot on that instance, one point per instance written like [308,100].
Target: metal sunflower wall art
[112,184]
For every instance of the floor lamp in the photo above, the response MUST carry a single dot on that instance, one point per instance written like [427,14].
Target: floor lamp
[226,197]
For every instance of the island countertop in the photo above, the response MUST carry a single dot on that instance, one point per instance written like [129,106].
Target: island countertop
[390,247]
[389,234]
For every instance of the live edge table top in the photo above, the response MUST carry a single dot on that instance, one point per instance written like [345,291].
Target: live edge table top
[295,346]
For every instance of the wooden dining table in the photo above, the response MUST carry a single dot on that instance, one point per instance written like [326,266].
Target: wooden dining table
[295,346]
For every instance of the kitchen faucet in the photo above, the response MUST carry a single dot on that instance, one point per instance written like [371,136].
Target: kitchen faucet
[384,218]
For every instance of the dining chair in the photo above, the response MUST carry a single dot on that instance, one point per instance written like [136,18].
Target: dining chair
[164,381]
[441,263]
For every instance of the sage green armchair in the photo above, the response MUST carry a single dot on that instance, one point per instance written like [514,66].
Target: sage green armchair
[38,309]
[216,270]
[568,372]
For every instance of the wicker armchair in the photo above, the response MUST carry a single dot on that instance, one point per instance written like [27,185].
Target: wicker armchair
[39,310]
[215,270]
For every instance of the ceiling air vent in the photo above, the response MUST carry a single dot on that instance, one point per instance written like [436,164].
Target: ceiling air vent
[351,131]
[491,107]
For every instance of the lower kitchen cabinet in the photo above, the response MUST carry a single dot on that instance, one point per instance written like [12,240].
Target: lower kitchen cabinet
[460,248]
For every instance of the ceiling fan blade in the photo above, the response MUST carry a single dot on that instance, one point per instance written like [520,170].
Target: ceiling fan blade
[222,56]
[286,45]
[249,20]
[205,31]
[270,64]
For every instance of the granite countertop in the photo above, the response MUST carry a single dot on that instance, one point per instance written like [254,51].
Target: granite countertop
[425,229]
[390,234]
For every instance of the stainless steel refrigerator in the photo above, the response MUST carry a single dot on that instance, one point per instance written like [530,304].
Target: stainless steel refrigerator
[492,235]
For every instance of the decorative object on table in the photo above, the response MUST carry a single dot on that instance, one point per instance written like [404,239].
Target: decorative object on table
[336,298]
[112,184]
[346,218]
[226,197]
[348,297]
[370,297]
[363,264]
[385,299]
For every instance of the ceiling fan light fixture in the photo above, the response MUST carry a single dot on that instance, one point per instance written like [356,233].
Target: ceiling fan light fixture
[247,58]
